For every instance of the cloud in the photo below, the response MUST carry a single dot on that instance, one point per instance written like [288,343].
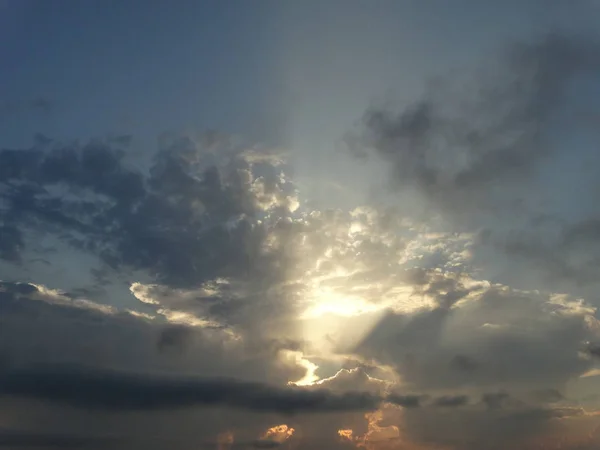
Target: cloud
[206,214]
[495,400]
[18,439]
[183,221]
[451,401]
[406,401]
[202,282]
[92,388]
[497,153]
[38,326]
[501,337]
[504,142]
[11,243]
[470,429]
[175,336]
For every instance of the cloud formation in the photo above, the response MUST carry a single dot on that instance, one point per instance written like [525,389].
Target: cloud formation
[100,389]
[196,293]
[494,154]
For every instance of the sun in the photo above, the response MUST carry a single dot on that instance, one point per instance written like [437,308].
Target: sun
[326,300]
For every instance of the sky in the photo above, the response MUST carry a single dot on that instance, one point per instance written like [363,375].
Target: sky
[308,224]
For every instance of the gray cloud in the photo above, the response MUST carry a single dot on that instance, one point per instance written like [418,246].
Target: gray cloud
[47,365]
[507,152]
[496,338]
[19,439]
[100,389]
[451,401]
[449,158]
[472,428]
[406,401]
[495,400]
[11,243]
[205,209]
[174,337]
[37,327]
[172,221]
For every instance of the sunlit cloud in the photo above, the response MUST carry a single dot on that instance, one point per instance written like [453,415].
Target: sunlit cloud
[310,376]
[278,434]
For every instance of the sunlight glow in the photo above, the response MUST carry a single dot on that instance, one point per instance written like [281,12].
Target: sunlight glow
[184,318]
[310,377]
[590,373]
[225,440]
[278,433]
[346,434]
[375,434]
[326,300]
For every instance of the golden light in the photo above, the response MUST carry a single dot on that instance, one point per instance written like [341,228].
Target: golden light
[310,377]
[346,434]
[375,436]
[224,440]
[326,300]
[376,432]
[278,433]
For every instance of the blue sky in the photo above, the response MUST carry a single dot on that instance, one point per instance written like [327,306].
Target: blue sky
[297,74]
[115,66]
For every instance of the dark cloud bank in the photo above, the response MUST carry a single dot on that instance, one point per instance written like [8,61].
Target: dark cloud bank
[101,389]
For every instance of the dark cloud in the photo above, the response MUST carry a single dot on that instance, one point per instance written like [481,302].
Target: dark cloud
[172,222]
[547,395]
[464,363]
[495,400]
[266,443]
[594,350]
[11,243]
[100,389]
[406,401]
[174,337]
[19,439]
[451,401]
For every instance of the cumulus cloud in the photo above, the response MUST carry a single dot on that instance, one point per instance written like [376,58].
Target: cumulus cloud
[169,221]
